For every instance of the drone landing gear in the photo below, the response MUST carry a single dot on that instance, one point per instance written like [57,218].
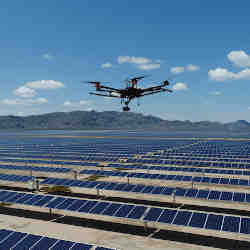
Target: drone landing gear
[126,108]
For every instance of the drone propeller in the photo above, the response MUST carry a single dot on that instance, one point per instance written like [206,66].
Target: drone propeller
[138,77]
[94,82]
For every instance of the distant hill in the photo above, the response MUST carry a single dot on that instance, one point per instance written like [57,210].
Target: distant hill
[114,120]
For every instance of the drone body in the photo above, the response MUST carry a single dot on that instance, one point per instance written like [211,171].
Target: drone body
[130,92]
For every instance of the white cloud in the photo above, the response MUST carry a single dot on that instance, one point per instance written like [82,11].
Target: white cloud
[192,67]
[181,69]
[77,104]
[239,58]
[149,66]
[45,84]
[221,75]
[106,65]
[40,100]
[25,92]
[47,56]
[133,59]
[248,108]
[141,63]
[215,93]
[180,86]
[177,70]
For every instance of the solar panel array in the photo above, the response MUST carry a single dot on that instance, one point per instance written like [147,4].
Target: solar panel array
[197,158]
[179,178]
[152,190]
[202,220]
[17,240]
[15,178]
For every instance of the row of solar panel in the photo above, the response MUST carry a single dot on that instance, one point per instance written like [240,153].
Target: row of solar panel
[192,158]
[183,169]
[131,160]
[180,217]
[159,168]
[15,178]
[22,241]
[186,178]
[32,161]
[152,190]
[40,169]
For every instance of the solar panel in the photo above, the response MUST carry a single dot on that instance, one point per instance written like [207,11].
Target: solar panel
[182,218]
[214,222]
[87,206]
[153,214]
[99,207]
[167,216]
[54,203]
[124,210]
[245,226]
[137,212]
[226,196]
[231,224]
[9,242]
[198,220]
[239,197]
[62,244]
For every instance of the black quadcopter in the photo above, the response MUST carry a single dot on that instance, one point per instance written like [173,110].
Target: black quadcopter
[130,92]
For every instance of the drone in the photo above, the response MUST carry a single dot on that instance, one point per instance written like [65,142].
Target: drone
[129,93]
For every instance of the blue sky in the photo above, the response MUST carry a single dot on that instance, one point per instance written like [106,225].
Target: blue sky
[48,47]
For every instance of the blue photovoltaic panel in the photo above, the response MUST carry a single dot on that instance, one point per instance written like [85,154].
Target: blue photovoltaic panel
[214,195]
[45,243]
[43,201]
[62,244]
[137,212]
[76,205]
[182,218]
[158,190]
[180,191]
[54,203]
[198,220]
[153,214]
[168,191]
[226,196]
[80,246]
[112,209]
[24,198]
[147,189]
[245,226]
[239,197]
[68,202]
[191,193]
[7,196]
[124,211]
[10,241]
[4,233]
[138,188]
[27,242]
[87,206]
[202,194]
[33,200]
[99,207]
[167,216]
[231,224]
[214,222]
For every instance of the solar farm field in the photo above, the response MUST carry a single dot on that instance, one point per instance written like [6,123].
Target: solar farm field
[124,191]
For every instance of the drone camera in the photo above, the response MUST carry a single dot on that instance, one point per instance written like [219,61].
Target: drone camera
[166,83]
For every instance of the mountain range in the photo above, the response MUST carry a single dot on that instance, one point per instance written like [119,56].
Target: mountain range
[114,120]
